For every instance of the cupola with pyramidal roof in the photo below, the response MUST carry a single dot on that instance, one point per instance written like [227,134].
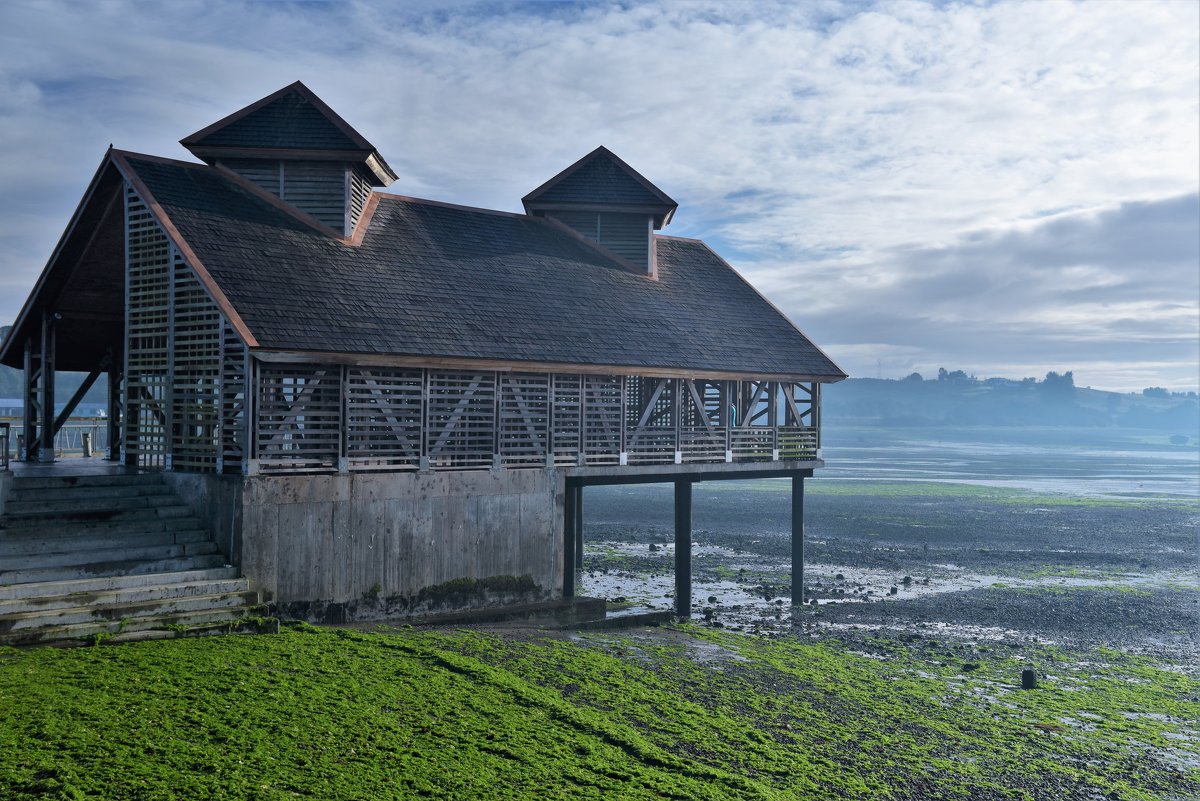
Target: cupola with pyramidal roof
[297,148]
[605,200]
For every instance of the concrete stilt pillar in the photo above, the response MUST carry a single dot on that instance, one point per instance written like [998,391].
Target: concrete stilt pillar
[683,548]
[569,541]
[579,527]
[797,540]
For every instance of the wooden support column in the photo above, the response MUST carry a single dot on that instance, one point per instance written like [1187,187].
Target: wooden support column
[29,411]
[114,410]
[569,541]
[46,444]
[683,547]
[797,540]
[579,527]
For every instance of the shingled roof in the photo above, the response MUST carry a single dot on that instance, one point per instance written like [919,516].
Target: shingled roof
[290,123]
[601,180]
[433,280]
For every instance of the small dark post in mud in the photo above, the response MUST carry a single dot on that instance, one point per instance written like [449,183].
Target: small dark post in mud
[569,541]
[1028,680]
[683,548]
[579,527]
[797,540]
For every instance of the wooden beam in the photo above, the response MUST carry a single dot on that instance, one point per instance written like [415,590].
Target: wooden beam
[459,363]
[65,414]
[29,410]
[46,428]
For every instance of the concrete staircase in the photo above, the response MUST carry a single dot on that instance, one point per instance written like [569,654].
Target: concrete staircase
[110,557]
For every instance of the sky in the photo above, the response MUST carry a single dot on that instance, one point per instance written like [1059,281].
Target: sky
[1005,188]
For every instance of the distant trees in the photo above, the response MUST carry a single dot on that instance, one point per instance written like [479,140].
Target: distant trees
[958,376]
[1057,387]
[1156,392]
[914,377]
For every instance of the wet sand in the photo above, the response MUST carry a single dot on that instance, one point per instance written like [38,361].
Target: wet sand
[1096,546]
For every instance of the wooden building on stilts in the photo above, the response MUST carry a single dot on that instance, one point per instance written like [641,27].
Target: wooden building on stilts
[365,395]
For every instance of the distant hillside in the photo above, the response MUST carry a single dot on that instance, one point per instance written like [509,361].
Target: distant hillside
[959,400]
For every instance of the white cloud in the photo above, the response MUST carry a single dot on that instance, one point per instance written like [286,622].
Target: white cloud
[846,156]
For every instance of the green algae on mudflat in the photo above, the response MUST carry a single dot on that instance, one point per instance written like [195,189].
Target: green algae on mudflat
[681,713]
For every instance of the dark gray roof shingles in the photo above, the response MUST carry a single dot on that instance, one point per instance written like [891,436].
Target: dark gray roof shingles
[434,280]
[290,122]
[600,180]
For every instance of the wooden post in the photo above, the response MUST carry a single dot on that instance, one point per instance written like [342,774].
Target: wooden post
[579,527]
[114,410]
[29,411]
[569,541]
[797,540]
[683,547]
[46,446]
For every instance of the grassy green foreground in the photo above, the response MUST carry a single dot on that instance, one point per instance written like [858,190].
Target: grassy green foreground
[686,714]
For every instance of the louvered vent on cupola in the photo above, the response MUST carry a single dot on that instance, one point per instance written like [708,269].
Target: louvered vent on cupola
[297,148]
[607,201]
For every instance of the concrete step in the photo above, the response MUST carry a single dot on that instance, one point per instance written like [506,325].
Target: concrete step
[98,584]
[36,546]
[57,518]
[129,629]
[124,595]
[108,480]
[75,508]
[97,613]
[117,567]
[86,495]
[68,558]
[50,529]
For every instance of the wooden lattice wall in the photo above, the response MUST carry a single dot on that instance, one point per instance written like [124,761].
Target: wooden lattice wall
[320,418]
[185,368]
[148,268]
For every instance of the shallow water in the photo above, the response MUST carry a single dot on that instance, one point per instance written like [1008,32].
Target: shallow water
[1085,471]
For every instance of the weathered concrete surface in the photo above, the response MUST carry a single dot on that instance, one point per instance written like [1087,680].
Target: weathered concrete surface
[217,501]
[6,479]
[353,537]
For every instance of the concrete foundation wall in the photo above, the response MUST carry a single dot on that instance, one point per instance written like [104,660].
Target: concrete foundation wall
[217,501]
[345,538]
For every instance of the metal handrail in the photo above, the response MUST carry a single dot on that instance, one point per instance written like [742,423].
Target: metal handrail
[70,438]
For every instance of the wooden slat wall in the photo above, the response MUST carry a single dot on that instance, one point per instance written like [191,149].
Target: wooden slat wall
[602,418]
[384,409]
[583,222]
[319,189]
[148,288]
[524,418]
[313,418]
[265,173]
[196,373]
[565,428]
[627,235]
[234,383]
[299,413]
[360,191]
[460,419]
